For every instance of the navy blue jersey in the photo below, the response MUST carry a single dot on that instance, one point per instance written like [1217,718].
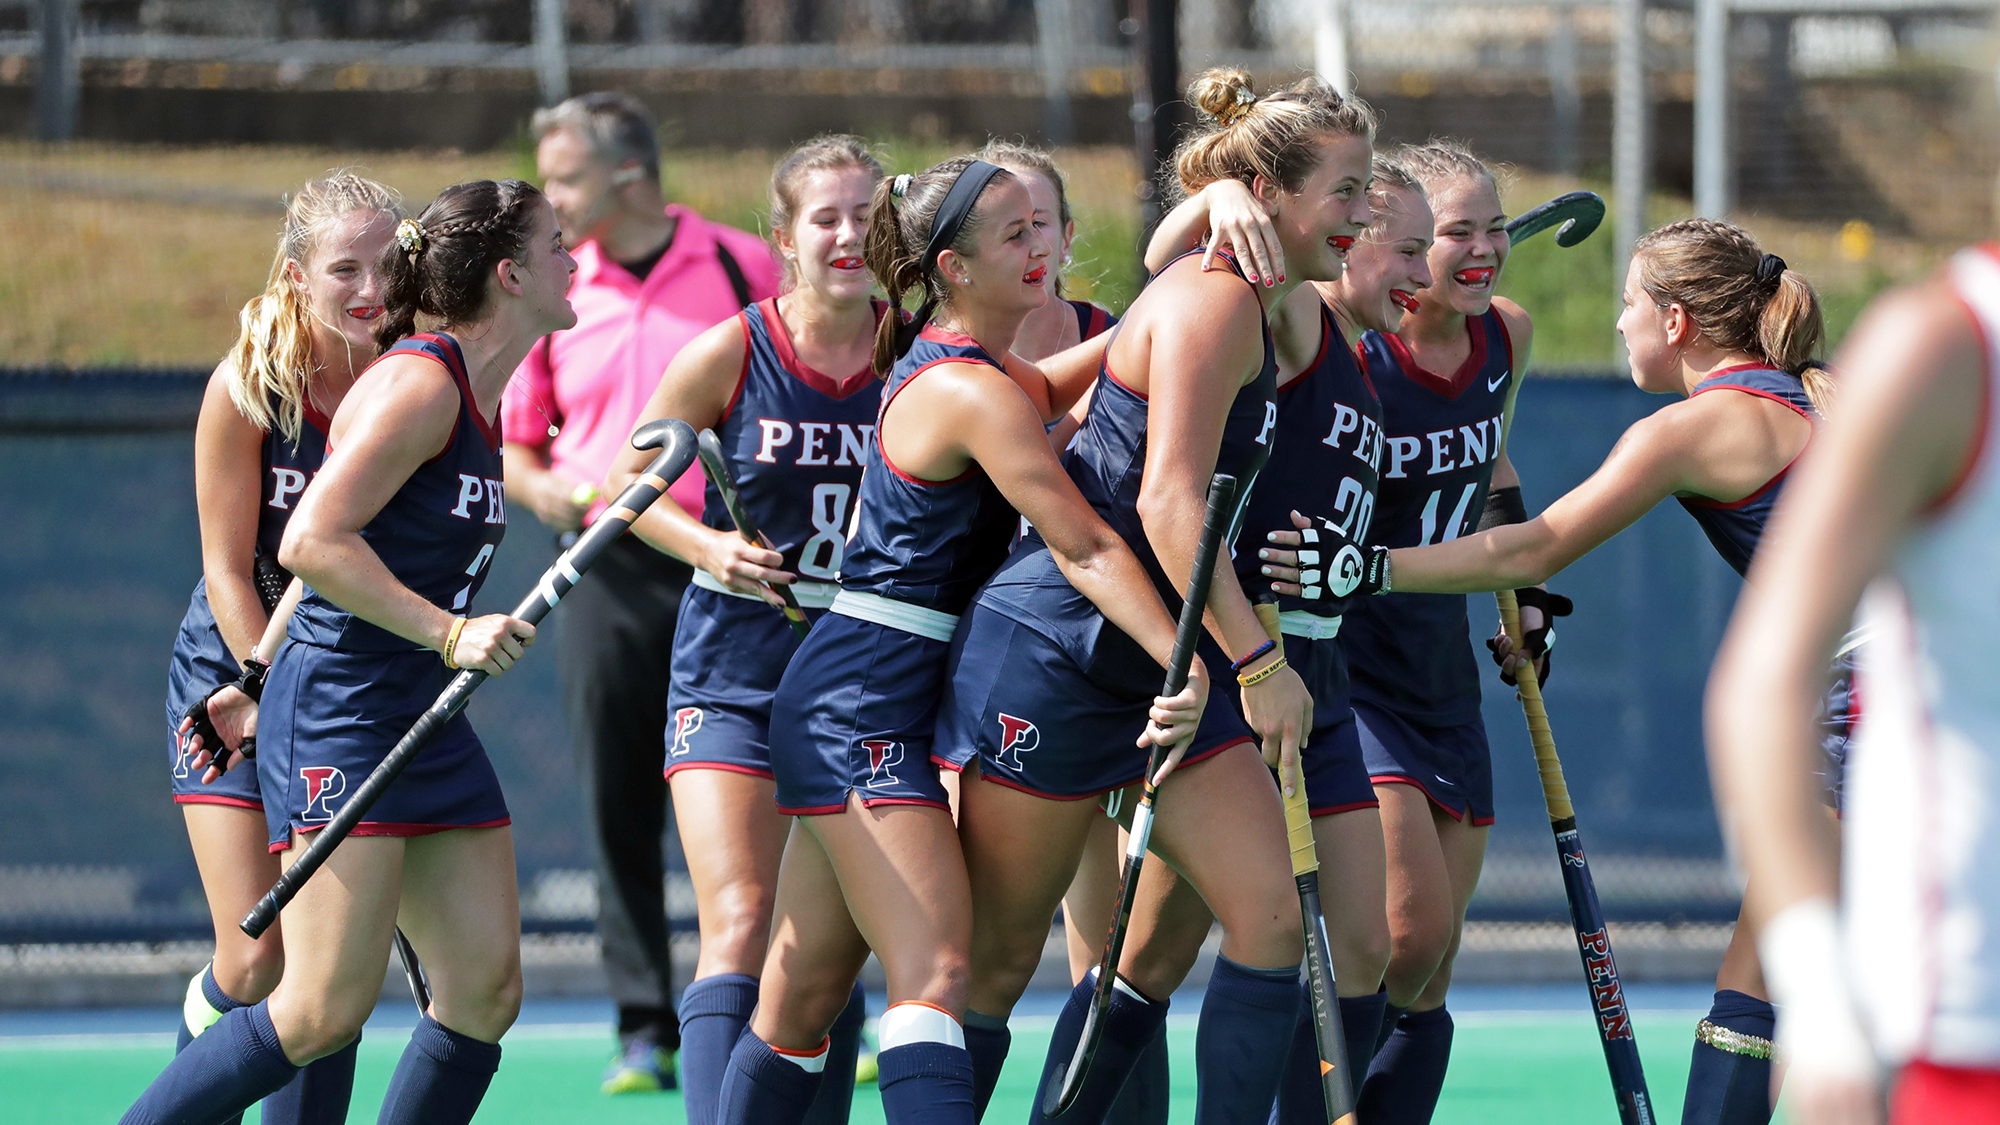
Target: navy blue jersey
[1108,461]
[438,532]
[1329,430]
[1411,653]
[1092,320]
[929,543]
[289,466]
[1108,458]
[1735,527]
[796,441]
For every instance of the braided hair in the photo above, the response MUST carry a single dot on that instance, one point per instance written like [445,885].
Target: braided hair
[441,260]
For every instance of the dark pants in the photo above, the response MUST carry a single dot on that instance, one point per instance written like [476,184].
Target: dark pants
[616,637]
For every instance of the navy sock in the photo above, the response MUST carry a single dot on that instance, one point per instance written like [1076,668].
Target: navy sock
[713,1013]
[441,1079]
[763,1087]
[1240,1046]
[1359,1017]
[319,1095]
[1391,1016]
[836,1086]
[1408,1072]
[1144,1100]
[218,1003]
[1129,1025]
[1731,1087]
[234,1063]
[986,1040]
[1300,1098]
[927,1083]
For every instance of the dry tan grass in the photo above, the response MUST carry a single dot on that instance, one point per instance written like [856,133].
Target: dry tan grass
[142,255]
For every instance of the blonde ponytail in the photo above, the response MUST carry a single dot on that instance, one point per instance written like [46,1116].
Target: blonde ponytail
[272,357]
[1275,136]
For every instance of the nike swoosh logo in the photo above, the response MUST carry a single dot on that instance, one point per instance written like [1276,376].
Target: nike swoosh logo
[1494,384]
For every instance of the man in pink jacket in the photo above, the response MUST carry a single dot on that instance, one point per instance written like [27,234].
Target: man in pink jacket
[650,277]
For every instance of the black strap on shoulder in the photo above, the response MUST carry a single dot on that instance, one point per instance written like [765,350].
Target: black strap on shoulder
[736,279]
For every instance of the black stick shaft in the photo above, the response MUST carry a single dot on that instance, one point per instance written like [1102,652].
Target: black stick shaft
[718,471]
[564,574]
[1187,635]
[1576,213]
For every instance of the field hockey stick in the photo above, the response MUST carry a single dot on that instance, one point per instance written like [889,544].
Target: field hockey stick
[420,985]
[1593,942]
[676,443]
[1335,1088]
[1214,524]
[1576,214]
[710,448]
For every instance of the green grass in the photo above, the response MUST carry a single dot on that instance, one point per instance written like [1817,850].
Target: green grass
[1506,1068]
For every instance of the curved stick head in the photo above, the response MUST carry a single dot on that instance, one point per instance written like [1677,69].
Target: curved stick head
[1589,213]
[659,432]
[675,441]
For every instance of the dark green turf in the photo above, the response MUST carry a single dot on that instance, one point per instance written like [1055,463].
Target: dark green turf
[1505,1069]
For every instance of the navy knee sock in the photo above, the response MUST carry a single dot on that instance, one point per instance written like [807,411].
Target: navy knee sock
[1391,1016]
[1240,1047]
[713,1013]
[319,1095]
[1144,1100]
[763,1087]
[1129,1025]
[1408,1072]
[441,1079]
[1732,1087]
[236,1062]
[986,1040]
[205,1004]
[926,1084]
[1300,1099]
[843,1042]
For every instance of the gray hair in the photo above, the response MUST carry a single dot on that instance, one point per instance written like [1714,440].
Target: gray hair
[616,126]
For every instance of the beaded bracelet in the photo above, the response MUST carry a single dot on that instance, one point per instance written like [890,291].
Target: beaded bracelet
[451,642]
[1252,679]
[1254,653]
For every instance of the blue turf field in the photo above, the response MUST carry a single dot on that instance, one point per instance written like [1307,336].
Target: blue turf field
[1522,1055]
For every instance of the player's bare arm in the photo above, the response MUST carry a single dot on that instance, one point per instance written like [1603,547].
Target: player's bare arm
[406,413]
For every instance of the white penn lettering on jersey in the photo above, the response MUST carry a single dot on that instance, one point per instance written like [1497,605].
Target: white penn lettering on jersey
[1459,448]
[287,484]
[1368,439]
[472,489]
[813,442]
[1270,422]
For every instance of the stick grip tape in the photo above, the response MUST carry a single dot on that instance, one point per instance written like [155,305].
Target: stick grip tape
[1555,791]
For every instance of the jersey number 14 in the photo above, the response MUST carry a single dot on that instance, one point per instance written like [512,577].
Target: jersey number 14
[1452,528]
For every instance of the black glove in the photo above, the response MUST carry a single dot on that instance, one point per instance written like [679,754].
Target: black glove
[271,580]
[250,683]
[1539,641]
[1333,565]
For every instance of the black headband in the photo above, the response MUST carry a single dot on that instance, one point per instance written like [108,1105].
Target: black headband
[957,208]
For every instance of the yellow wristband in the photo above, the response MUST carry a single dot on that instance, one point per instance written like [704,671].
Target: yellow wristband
[1252,679]
[451,642]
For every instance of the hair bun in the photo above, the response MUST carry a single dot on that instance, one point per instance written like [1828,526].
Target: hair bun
[1223,93]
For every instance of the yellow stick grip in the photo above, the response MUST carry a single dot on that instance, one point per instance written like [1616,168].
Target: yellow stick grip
[1555,791]
[1298,811]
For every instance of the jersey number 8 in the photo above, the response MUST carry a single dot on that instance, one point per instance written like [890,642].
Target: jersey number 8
[820,556]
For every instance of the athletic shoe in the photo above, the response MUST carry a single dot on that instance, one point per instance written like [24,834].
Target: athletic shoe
[643,1067]
[865,1068]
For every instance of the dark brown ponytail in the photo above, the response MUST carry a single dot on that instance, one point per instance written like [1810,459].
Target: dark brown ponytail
[899,228]
[440,261]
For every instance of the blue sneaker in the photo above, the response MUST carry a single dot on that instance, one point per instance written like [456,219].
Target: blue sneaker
[642,1067]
